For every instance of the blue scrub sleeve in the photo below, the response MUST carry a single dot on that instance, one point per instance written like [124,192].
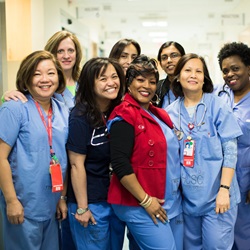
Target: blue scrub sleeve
[230,153]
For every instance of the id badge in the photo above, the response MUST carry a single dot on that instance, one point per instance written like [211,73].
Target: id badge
[188,153]
[56,177]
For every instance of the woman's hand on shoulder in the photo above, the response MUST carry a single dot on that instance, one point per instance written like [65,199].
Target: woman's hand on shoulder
[14,95]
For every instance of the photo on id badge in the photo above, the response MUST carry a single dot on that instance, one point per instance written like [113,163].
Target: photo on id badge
[188,153]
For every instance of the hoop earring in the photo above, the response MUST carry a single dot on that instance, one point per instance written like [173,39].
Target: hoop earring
[156,99]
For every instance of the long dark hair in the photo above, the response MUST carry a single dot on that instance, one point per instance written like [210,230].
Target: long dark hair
[85,94]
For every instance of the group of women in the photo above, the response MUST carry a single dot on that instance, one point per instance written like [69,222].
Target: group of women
[167,173]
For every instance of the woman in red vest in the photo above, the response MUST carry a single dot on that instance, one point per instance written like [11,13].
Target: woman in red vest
[144,190]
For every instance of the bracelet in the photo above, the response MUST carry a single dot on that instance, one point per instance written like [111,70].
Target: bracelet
[63,197]
[144,200]
[224,186]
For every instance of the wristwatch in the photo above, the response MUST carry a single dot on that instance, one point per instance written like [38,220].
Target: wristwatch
[80,210]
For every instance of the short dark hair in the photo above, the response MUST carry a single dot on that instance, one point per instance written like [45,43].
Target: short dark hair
[28,67]
[166,45]
[85,94]
[142,65]
[176,86]
[118,48]
[235,49]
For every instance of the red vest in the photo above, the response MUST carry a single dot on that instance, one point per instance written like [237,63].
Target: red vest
[149,158]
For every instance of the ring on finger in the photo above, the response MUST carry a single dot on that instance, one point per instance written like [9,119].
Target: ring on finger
[157,216]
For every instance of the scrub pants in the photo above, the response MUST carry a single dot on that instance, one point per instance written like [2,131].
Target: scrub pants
[177,227]
[211,231]
[107,234]
[30,235]
[242,226]
[147,235]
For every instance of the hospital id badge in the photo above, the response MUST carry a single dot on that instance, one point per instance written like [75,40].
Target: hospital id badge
[56,177]
[188,153]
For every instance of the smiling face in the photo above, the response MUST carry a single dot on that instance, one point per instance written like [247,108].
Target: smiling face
[142,89]
[107,87]
[169,58]
[236,74]
[127,56]
[44,81]
[192,76]
[66,54]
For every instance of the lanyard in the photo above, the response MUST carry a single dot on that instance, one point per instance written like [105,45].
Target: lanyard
[49,127]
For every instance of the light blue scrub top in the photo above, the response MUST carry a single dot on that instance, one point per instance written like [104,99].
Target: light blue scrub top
[242,113]
[168,99]
[66,97]
[21,127]
[201,183]
[173,200]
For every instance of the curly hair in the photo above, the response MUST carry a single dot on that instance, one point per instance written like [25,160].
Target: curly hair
[142,65]
[235,49]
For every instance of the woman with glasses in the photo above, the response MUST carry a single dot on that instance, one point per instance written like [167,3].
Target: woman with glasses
[168,56]
[144,190]
[100,89]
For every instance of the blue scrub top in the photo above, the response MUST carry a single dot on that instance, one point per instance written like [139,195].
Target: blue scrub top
[66,97]
[201,183]
[242,113]
[21,127]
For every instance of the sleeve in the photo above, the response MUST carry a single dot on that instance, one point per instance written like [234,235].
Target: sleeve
[78,137]
[10,124]
[229,153]
[121,148]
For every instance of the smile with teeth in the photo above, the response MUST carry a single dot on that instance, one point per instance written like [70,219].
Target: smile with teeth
[111,90]
[45,87]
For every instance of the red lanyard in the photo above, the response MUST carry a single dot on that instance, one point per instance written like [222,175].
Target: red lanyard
[49,127]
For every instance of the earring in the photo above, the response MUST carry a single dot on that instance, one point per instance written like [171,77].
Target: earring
[156,99]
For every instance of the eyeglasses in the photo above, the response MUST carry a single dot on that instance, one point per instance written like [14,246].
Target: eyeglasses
[173,55]
[62,51]
[99,136]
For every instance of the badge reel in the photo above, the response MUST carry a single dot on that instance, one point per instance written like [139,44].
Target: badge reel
[188,153]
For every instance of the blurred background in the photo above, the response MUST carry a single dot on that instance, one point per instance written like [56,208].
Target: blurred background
[200,26]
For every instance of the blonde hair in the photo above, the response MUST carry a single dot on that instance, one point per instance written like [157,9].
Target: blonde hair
[53,43]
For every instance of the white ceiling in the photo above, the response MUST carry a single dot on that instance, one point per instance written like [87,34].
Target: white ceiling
[199,25]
